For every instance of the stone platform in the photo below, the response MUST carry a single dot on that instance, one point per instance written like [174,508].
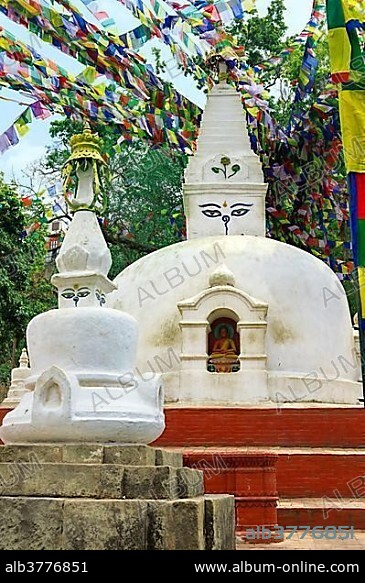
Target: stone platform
[107,497]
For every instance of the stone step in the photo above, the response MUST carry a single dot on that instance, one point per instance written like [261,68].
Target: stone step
[134,455]
[201,523]
[309,542]
[322,512]
[74,480]
[307,480]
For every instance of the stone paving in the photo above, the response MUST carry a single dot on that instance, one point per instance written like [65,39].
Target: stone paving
[295,543]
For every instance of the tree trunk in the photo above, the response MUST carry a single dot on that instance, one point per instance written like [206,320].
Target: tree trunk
[13,353]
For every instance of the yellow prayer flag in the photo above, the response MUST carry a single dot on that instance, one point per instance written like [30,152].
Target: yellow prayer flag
[352,112]
[352,10]
[340,50]
[89,74]
[172,137]
[248,5]
[361,277]
[21,128]
[31,8]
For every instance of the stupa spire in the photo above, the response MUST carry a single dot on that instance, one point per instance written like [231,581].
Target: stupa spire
[84,260]
[224,192]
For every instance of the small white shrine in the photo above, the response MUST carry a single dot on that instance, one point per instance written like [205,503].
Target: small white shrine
[81,385]
[17,386]
[230,316]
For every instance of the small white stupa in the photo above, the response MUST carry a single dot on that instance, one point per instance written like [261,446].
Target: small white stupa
[81,386]
[17,386]
[230,316]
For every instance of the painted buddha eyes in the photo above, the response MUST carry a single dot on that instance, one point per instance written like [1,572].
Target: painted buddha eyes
[239,212]
[212,213]
[213,210]
[75,295]
[83,293]
[68,295]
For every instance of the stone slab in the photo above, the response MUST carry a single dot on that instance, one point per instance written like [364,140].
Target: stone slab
[129,455]
[164,457]
[139,455]
[190,483]
[188,524]
[163,483]
[219,527]
[26,453]
[29,523]
[61,480]
[99,481]
[112,525]
[176,525]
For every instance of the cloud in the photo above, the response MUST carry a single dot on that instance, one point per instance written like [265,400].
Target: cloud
[20,157]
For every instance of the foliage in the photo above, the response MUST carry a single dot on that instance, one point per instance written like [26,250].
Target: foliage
[262,36]
[24,291]
[145,204]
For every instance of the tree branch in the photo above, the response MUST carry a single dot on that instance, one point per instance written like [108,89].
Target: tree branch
[114,239]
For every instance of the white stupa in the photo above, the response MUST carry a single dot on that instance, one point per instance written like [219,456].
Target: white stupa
[17,387]
[81,385]
[288,335]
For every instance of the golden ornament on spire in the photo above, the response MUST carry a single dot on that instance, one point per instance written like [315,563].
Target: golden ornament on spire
[86,145]
[85,154]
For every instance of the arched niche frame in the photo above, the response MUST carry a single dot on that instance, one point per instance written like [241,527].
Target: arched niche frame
[198,312]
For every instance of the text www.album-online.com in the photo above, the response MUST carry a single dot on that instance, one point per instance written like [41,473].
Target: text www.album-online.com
[300,567]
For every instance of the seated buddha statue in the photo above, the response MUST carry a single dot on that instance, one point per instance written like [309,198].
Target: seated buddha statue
[224,352]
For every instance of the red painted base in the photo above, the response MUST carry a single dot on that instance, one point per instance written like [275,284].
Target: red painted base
[3,412]
[288,427]
[314,474]
[250,477]
[322,515]
[312,461]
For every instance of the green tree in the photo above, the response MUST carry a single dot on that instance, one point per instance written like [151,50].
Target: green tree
[24,290]
[262,36]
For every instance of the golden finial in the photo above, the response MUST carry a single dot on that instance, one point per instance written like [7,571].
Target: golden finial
[86,146]
[85,152]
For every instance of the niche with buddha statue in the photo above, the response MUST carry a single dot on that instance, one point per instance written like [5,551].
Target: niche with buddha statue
[223,341]
[223,346]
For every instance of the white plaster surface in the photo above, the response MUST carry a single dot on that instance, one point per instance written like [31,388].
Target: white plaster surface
[61,410]
[216,200]
[309,343]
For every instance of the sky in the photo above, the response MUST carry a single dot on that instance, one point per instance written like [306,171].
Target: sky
[33,146]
